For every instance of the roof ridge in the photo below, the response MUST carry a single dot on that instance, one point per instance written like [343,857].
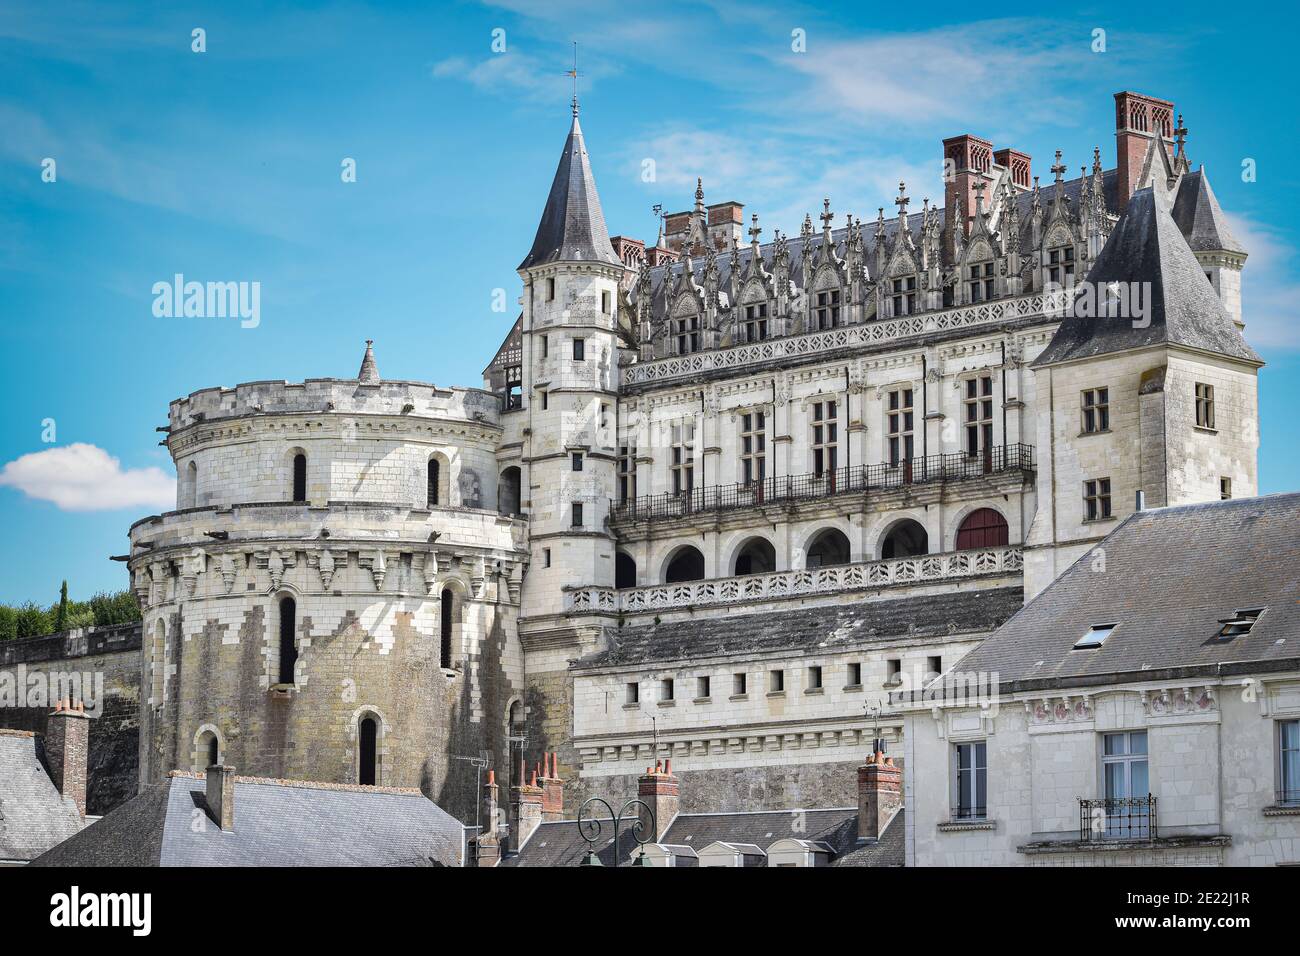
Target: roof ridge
[304,784]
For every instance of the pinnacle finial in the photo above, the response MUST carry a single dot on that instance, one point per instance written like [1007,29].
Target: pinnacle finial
[369,370]
[575,74]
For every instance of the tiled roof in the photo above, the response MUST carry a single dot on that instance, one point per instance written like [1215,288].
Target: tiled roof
[34,816]
[573,226]
[961,612]
[1146,246]
[1170,576]
[277,823]
[1199,218]
[560,843]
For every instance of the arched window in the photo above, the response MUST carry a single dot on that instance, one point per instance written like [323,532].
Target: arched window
[300,477]
[288,646]
[828,548]
[431,484]
[905,540]
[188,496]
[624,570]
[508,491]
[756,557]
[207,749]
[214,751]
[687,564]
[447,621]
[368,750]
[983,528]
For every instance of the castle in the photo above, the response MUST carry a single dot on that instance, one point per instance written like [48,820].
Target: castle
[717,496]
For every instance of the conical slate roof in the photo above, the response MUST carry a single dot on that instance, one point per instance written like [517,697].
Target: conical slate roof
[1180,305]
[369,373]
[572,227]
[1200,219]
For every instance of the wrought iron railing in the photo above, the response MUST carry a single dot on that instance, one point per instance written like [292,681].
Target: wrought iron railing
[1288,797]
[1117,818]
[969,814]
[851,479]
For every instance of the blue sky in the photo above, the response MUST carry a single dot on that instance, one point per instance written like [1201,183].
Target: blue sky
[225,165]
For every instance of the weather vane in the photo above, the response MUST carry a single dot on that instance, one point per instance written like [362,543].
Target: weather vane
[575,74]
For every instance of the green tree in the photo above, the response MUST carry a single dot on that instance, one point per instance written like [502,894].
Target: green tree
[33,621]
[8,623]
[61,612]
[118,607]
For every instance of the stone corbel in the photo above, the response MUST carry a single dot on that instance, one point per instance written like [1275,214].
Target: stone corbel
[430,570]
[478,574]
[378,566]
[194,564]
[515,580]
[325,564]
[157,582]
[228,572]
[143,591]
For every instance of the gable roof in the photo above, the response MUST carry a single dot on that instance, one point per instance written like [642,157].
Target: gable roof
[1199,218]
[277,823]
[959,612]
[34,816]
[1146,247]
[573,226]
[1171,576]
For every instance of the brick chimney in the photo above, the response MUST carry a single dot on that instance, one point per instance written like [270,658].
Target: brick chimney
[880,793]
[67,743]
[657,788]
[966,160]
[552,788]
[1138,119]
[1019,163]
[221,795]
[525,808]
[488,843]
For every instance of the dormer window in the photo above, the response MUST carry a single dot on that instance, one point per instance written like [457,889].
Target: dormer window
[1060,265]
[903,293]
[1095,636]
[826,313]
[979,284]
[687,331]
[1241,622]
[755,322]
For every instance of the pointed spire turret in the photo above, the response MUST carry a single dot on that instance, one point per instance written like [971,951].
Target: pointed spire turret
[369,374]
[573,226]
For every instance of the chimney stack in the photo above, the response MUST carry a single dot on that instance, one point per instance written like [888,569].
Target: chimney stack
[1138,120]
[488,844]
[966,160]
[880,793]
[657,788]
[1018,163]
[525,808]
[221,795]
[67,744]
[552,788]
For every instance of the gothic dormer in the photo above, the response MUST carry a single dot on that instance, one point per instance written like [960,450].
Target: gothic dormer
[824,279]
[754,316]
[1062,240]
[977,264]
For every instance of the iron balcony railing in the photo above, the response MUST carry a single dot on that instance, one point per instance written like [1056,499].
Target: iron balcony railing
[968,814]
[850,479]
[1117,818]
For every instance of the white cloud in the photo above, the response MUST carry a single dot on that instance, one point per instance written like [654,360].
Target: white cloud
[83,477]
[1269,290]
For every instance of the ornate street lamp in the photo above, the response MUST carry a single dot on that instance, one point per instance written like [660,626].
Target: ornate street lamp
[590,828]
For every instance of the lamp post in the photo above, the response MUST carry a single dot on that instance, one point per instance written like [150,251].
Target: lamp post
[590,828]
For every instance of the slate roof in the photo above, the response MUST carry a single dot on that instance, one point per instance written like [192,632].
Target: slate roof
[1146,246]
[661,276]
[34,816]
[1199,218]
[572,226]
[960,612]
[560,843]
[277,823]
[1171,575]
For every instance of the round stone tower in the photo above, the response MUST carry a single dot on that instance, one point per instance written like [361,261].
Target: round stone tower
[336,597]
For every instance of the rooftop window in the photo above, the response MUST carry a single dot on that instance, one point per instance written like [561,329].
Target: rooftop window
[1095,636]
[1241,622]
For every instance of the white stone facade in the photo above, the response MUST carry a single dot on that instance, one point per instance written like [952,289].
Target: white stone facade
[1212,753]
